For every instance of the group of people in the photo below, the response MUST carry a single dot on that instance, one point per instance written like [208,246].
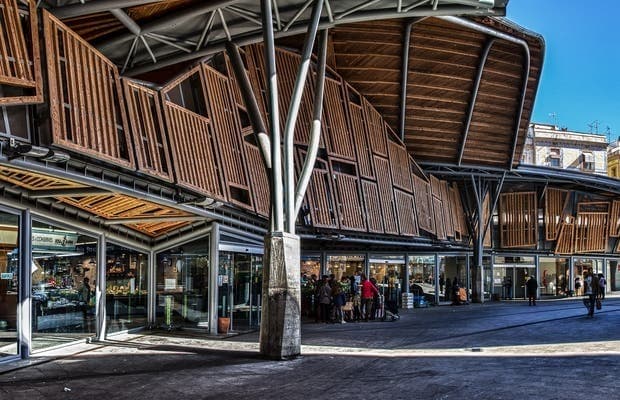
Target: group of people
[355,298]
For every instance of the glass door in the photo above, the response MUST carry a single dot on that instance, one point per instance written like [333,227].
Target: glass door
[64,283]
[9,284]
[240,288]
[182,285]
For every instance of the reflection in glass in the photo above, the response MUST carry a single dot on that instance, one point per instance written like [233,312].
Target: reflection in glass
[389,271]
[9,283]
[126,288]
[345,265]
[240,289]
[182,285]
[64,277]
[422,277]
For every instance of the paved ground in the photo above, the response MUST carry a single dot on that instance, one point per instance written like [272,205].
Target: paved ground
[491,351]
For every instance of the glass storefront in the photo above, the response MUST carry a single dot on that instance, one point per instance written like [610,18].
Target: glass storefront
[346,265]
[126,288]
[64,278]
[612,276]
[454,269]
[389,272]
[240,283]
[421,270]
[554,276]
[510,274]
[9,283]
[182,286]
[310,275]
[580,267]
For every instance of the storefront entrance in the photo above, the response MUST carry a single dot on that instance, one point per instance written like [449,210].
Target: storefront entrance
[9,284]
[64,283]
[240,282]
[182,284]
[554,276]
[510,275]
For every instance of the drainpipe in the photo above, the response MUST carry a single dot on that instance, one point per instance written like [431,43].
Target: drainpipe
[404,71]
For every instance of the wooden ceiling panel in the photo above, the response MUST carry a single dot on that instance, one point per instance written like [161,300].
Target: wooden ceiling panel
[35,181]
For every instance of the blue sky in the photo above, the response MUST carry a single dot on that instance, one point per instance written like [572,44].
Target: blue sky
[581,72]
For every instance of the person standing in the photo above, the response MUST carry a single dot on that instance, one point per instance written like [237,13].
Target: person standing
[532,290]
[368,292]
[324,298]
[601,285]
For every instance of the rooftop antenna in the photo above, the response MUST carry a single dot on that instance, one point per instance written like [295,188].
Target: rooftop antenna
[554,116]
[594,126]
[608,133]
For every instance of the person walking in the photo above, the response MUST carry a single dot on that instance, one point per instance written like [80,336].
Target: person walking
[590,289]
[532,290]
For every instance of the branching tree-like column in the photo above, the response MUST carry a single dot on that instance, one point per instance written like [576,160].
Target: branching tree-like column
[280,330]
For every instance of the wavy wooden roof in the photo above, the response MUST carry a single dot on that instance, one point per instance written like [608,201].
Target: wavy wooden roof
[444,59]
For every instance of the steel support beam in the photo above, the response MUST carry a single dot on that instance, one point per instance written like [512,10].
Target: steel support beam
[404,76]
[255,36]
[291,118]
[79,9]
[170,20]
[249,98]
[277,200]
[501,35]
[474,95]
[315,134]
[147,220]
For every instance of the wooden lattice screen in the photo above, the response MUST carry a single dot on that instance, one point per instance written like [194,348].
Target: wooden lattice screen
[399,164]
[460,224]
[406,213]
[376,133]
[146,121]
[86,98]
[424,207]
[227,131]
[386,194]
[555,203]
[518,220]
[320,197]
[591,232]
[566,237]
[439,212]
[20,62]
[614,219]
[349,203]
[258,178]
[370,193]
[449,211]
[190,134]
[288,64]
[360,137]
[339,141]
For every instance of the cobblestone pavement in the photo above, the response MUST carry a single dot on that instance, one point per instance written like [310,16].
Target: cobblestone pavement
[505,350]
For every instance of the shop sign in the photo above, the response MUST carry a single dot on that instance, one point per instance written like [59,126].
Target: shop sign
[53,240]
[6,276]
[514,265]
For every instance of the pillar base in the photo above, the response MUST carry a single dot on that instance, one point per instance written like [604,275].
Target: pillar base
[280,329]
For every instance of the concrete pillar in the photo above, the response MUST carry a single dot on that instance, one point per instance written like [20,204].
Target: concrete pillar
[280,330]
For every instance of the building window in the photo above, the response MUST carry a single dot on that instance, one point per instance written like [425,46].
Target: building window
[554,157]
[587,161]
[614,172]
